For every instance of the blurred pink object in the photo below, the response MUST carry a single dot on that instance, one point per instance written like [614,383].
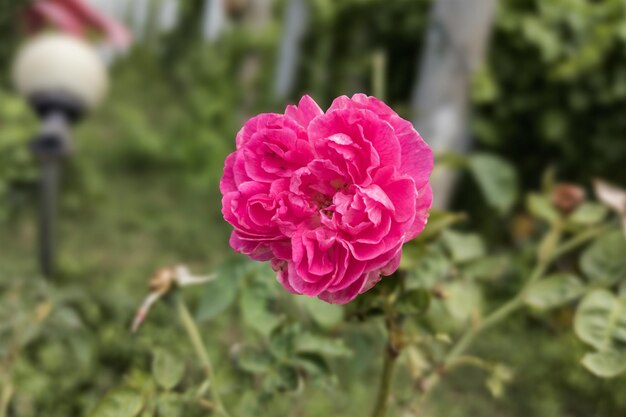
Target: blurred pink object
[329,198]
[75,17]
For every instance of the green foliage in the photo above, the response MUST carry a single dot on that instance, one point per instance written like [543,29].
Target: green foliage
[323,314]
[497,179]
[81,185]
[17,167]
[499,378]
[343,36]
[414,302]
[167,369]
[256,305]
[120,402]
[606,364]
[219,294]
[10,29]
[463,247]
[540,207]
[463,299]
[588,214]
[553,67]
[601,322]
[605,261]
[554,291]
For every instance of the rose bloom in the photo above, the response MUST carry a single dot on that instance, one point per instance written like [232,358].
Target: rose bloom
[328,198]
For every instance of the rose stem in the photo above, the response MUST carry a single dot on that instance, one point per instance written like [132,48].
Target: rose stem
[391,353]
[430,381]
[196,341]
[382,399]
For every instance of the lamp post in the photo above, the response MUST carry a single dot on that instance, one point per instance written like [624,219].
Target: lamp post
[63,78]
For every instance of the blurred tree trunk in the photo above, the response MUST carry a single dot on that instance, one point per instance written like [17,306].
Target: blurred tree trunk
[455,47]
[295,22]
[214,20]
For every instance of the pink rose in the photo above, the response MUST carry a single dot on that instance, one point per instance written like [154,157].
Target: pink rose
[329,198]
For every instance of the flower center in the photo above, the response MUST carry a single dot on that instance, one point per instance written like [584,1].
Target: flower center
[338,184]
[323,201]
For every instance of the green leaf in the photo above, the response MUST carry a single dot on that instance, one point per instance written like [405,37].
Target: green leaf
[438,221]
[554,290]
[170,404]
[431,269]
[167,369]
[463,246]
[283,341]
[605,260]
[606,364]
[497,180]
[284,378]
[463,299]
[120,402]
[541,207]
[323,314]
[588,214]
[312,363]
[601,320]
[254,307]
[487,268]
[548,243]
[499,377]
[254,361]
[218,295]
[326,346]
[413,302]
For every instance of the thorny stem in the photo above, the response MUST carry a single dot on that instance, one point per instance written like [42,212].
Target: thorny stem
[471,361]
[461,346]
[198,345]
[382,398]
[579,240]
[392,351]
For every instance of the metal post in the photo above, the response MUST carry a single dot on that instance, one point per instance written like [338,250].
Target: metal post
[50,146]
[49,183]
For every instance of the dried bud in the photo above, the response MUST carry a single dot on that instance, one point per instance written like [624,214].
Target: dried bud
[163,279]
[440,293]
[567,197]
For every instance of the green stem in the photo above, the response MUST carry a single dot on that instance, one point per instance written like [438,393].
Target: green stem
[496,316]
[508,308]
[198,345]
[470,361]
[5,398]
[382,399]
[378,74]
[470,336]
[579,240]
[390,357]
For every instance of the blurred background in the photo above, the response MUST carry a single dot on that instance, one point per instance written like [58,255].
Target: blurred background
[541,83]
